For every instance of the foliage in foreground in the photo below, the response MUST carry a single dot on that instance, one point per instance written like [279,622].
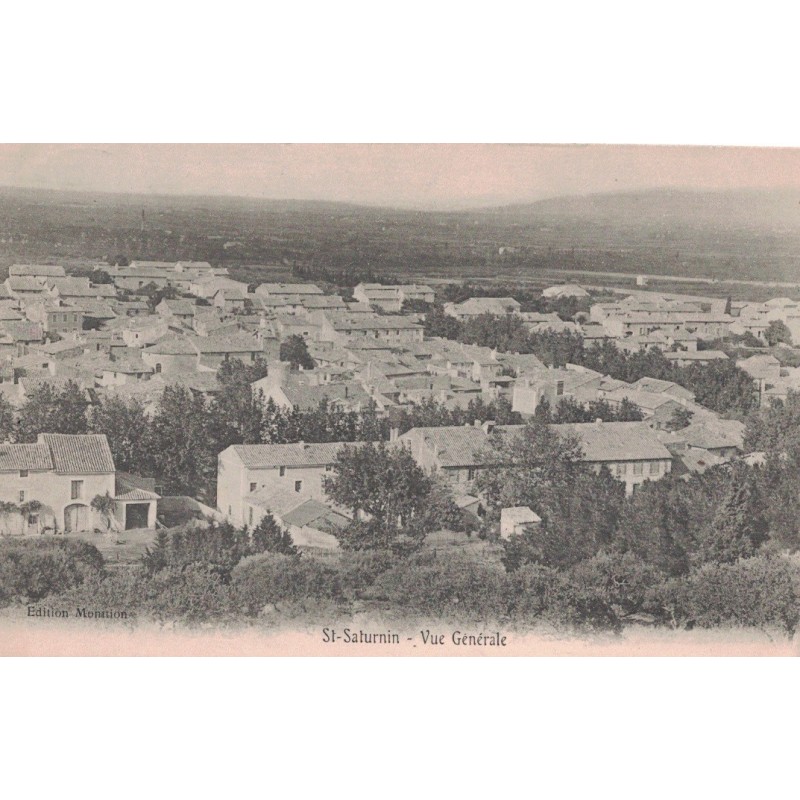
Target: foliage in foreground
[602,593]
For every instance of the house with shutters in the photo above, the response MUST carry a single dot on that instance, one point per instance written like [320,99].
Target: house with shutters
[250,476]
[57,478]
[631,451]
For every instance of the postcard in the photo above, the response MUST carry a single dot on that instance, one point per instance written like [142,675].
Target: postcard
[399,400]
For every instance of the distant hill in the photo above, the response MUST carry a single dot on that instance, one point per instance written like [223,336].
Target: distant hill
[734,234]
[752,208]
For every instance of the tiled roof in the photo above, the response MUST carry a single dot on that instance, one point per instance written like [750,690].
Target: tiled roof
[24,284]
[713,434]
[485,305]
[615,441]
[48,270]
[288,288]
[287,455]
[453,445]
[358,323]
[316,515]
[236,343]
[172,346]
[699,355]
[648,401]
[305,396]
[14,457]
[22,331]
[180,306]
[128,488]
[83,454]
[657,386]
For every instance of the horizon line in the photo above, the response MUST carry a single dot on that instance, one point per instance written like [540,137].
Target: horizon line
[442,208]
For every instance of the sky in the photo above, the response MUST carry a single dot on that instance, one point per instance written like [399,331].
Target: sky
[438,176]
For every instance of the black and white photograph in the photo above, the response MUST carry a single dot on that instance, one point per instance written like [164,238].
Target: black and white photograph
[399,399]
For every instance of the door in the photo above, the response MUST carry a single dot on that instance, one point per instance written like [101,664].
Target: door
[136,515]
[76,518]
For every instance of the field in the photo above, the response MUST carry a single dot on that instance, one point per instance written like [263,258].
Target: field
[751,236]
[119,549]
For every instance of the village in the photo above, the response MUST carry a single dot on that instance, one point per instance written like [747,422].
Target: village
[128,332]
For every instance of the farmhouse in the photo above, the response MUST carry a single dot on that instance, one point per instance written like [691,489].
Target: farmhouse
[476,306]
[245,469]
[630,450]
[54,481]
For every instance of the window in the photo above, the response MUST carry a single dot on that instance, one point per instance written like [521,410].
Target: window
[158,367]
[21,496]
[622,469]
[471,474]
[77,490]
[253,487]
[298,485]
[282,471]
[655,467]
[328,467]
[638,468]
[23,473]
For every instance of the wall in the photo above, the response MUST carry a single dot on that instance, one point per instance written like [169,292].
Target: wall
[629,478]
[171,363]
[234,480]
[54,491]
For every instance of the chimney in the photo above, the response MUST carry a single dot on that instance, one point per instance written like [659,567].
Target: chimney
[394,434]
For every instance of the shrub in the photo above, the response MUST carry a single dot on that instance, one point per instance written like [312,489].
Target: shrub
[759,592]
[446,585]
[272,579]
[361,568]
[196,593]
[544,593]
[623,581]
[31,569]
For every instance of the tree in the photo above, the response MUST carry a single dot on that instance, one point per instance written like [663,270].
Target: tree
[104,505]
[295,351]
[681,417]
[127,428]
[31,569]
[8,428]
[777,332]
[157,558]
[721,386]
[739,528]
[48,410]
[236,413]
[656,523]
[269,537]
[384,483]
[529,467]
[183,450]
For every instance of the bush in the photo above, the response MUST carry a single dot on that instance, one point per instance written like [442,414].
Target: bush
[622,580]
[193,594]
[361,568]
[546,594]
[31,569]
[196,593]
[445,585]
[759,592]
[273,579]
